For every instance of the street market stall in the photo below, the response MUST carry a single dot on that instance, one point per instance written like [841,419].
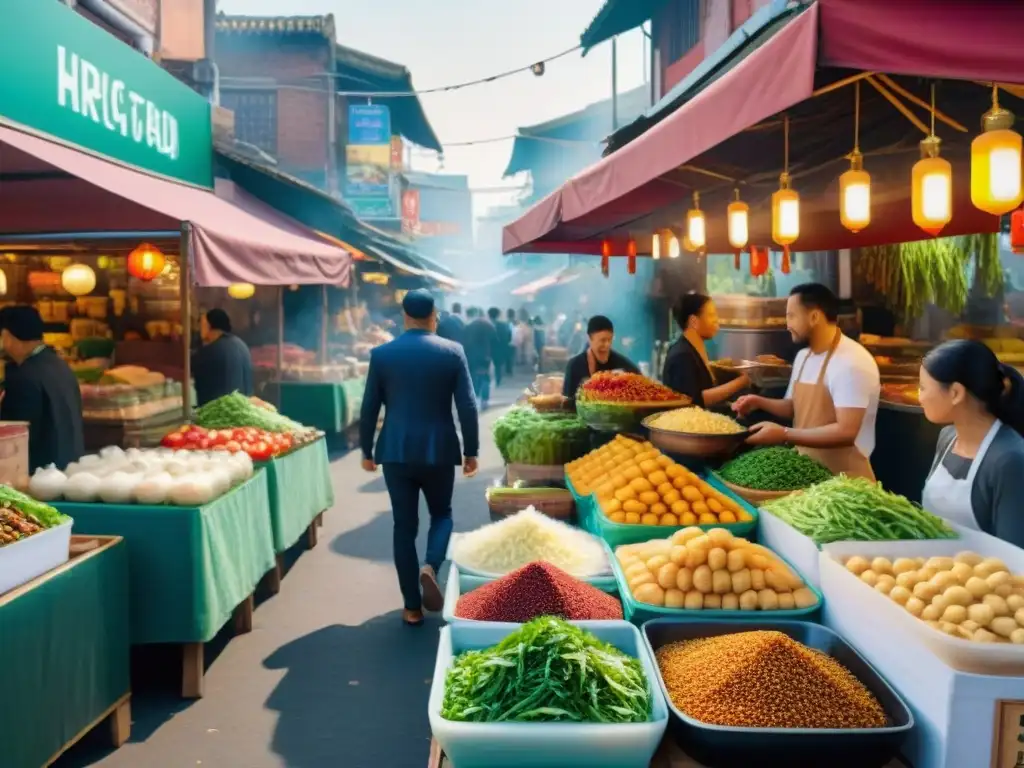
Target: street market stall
[65,636]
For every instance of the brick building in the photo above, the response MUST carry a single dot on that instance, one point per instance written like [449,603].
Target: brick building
[281,77]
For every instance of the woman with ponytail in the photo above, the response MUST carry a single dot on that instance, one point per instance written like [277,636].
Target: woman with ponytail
[977,478]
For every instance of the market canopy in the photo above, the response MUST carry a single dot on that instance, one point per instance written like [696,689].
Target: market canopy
[50,188]
[729,132]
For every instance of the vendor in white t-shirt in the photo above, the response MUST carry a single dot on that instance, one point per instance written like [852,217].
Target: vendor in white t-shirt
[832,398]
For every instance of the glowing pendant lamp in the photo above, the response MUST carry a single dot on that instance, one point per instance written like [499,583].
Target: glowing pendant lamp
[631,256]
[785,202]
[146,262]
[855,184]
[931,193]
[241,290]
[78,279]
[656,246]
[673,247]
[696,226]
[606,254]
[996,162]
[738,217]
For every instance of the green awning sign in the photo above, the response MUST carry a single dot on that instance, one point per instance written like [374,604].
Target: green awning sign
[72,80]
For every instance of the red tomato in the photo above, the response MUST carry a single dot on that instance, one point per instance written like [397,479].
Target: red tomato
[204,444]
[239,434]
[260,451]
[233,445]
[173,440]
[223,448]
[193,436]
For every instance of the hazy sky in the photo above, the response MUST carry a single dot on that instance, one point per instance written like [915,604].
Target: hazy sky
[443,42]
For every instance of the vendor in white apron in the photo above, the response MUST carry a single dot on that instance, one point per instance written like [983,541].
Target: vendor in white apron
[832,399]
[977,478]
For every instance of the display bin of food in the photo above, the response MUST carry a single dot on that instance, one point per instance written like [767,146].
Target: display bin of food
[499,548]
[619,402]
[534,473]
[766,474]
[557,503]
[537,589]
[695,432]
[941,593]
[13,451]
[841,509]
[584,505]
[836,688]
[546,744]
[667,578]
[26,558]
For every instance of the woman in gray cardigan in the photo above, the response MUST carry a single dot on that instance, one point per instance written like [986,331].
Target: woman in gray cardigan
[977,478]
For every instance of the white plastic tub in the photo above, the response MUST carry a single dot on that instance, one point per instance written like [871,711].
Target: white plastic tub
[33,556]
[544,745]
[851,597]
[799,549]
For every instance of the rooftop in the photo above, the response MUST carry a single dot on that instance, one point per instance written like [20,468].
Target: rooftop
[277,25]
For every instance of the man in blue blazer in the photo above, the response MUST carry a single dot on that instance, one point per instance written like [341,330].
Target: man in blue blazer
[415,378]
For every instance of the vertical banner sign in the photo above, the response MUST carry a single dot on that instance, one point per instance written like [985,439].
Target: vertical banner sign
[368,175]
[397,154]
[411,211]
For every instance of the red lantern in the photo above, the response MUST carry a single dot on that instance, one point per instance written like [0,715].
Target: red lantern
[606,254]
[1017,231]
[631,256]
[758,260]
[146,262]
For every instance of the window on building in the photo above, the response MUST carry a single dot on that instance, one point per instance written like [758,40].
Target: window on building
[255,117]
[683,23]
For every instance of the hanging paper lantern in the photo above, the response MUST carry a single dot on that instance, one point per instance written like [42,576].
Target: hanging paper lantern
[631,256]
[738,218]
[606,255]
[696,227]
[931,194]
[785,213]
[673,247]
[656,246]
[1017,231]
[241,290]
[78,279]
[758,261]
[996,162]
[855,195]
[146,262]
[3,283]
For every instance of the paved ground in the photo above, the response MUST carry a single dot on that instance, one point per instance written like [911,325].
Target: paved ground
[329,676]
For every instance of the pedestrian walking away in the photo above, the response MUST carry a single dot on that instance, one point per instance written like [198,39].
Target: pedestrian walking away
[503,347]
[480,340]
[415,379]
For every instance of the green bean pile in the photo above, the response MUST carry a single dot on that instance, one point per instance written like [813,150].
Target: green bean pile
[855,509]
[774,469]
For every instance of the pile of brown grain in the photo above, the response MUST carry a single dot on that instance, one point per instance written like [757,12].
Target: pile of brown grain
[765,680]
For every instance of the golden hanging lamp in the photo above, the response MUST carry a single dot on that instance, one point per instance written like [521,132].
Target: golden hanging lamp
[855,184]
[931,180]
[996,162]
[785,203]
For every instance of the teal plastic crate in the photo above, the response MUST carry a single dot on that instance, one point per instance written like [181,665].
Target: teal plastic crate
[586,508]
[471,581]
[638,612]
[617,534]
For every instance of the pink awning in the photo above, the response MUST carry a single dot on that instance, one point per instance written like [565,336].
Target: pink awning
[234,237]
[648,183]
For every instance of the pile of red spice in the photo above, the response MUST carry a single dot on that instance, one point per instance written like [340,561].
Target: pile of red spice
[537,589]
[613,387]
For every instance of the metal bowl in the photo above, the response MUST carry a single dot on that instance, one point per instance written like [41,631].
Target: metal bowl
[613,417]
[692,444]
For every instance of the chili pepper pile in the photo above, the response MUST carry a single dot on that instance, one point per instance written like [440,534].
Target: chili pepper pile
[611,387]
[260,444]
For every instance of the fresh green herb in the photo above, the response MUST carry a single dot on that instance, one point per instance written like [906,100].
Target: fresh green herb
[856,509]
[524,436]
[237,410]
[548,671]
[774,469]
[47,516]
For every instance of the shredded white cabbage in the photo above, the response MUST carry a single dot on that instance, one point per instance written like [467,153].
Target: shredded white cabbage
[527,537]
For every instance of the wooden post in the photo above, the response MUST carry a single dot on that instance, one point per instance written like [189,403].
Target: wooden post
[121,723]
[193,669]
[274,575]
[311,535]
[243,615]
[184,257]
[324,319]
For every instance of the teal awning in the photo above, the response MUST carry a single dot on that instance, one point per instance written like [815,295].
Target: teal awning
[616,17]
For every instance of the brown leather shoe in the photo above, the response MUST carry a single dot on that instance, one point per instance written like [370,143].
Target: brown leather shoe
[433,600]
[412,618]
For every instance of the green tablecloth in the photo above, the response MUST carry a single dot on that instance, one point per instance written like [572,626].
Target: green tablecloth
[190,566]
[64,645]
[300,489]
[331,407]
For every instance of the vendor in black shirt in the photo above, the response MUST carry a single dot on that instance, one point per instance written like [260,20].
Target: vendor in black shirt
[41,389]
[223,364]
[687,369]
[599,356]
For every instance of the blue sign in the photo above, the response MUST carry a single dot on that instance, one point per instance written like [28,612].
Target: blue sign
[369,124]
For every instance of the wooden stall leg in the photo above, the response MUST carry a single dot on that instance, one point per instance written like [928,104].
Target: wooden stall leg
[192,671]
[320,520]
[311,535]
[121,723]
[243,615]
[274,576]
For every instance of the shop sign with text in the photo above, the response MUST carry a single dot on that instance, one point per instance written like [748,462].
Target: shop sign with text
[368,177]
[70,79]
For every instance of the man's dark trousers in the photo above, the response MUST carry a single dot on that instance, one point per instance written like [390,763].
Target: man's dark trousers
[405,482]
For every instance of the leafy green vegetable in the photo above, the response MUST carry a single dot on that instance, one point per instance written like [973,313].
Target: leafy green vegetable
[774,469]
[236,410]
[547,671]
[47,516]
[524,436]
[856,509]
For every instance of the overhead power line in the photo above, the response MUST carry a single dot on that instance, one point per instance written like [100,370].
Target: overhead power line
[537,67]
